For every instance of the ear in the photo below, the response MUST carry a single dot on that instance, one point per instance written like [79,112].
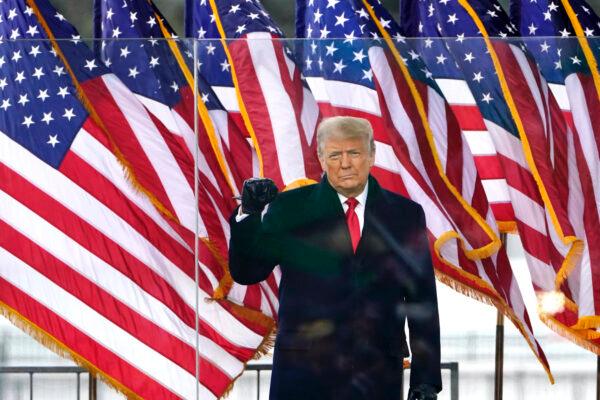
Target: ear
[323,163]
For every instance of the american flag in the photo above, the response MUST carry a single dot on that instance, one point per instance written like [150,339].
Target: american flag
[356,75]
[152,71]
[565,64]
[455,89]
[254,67]
[160,84]
[520,115]
[92,264]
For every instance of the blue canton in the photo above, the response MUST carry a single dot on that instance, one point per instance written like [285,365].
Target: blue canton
[137,51]
[463,52]
[342,33]
[551,35]
[39,108]
[238,19]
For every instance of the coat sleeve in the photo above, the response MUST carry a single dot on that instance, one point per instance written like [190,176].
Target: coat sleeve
[423,318]
[253,253]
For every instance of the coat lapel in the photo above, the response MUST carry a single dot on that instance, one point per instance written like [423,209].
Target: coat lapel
[375,210]
[325,209]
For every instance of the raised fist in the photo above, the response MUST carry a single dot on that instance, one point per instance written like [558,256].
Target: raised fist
[256,194]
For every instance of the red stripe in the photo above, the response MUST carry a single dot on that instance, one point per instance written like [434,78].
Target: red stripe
[467,225]
[124,138]
[206,207]
[534,242]
[488,167]
[252,298]
[239,155]
[256,107]
[520,179]
[92,240]
[593,103]
[503,211]
[111,308]
[295,91]
[390,181]
[533,125]
[90,350]
[102,189]
[185,109]
[454,152]
[95,242]
[469,117]
[591,221]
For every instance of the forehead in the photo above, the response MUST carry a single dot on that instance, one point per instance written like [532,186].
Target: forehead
[336,142]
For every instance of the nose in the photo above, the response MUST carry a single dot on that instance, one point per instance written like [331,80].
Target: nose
[346,160]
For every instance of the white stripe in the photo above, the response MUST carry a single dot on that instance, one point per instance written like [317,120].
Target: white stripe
[100,329]
[345,94]
[105,163]
[85,206]
[221,122]
[480,143]
[542,275]
[506,144]
[469,174]
[109,279]
[178,126]
[496,190]
[228,97]
[386,158]
[309,115]
[436,115]
[221,125]
[237,293]
[528,211]
[272,298]
[398,114]
[561,96]
[456,91]
[437,222]
[518,306]
[279,107]
[581,284]
[172,178]
[585,132]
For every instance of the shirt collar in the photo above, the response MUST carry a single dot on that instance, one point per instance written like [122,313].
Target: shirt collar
[361,198]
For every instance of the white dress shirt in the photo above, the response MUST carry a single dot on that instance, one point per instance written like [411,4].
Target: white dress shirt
[360,207]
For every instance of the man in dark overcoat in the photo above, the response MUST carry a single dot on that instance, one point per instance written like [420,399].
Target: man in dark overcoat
[355,267]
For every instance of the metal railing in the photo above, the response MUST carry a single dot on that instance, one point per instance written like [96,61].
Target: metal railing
[31,371]
[451,366]
[92,385]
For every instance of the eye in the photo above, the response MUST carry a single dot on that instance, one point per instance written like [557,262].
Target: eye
[334,156]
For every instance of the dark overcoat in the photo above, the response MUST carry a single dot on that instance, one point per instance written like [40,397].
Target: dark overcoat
[342,314]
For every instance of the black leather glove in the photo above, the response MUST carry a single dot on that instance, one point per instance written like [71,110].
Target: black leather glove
[422,392]
[256,194]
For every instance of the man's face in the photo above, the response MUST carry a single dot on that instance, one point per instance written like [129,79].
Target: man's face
[347,163]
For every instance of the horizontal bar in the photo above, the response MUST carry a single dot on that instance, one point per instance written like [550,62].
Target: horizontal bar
[452,366]
[42,370]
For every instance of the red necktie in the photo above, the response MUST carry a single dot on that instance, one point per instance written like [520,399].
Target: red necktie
[352,221]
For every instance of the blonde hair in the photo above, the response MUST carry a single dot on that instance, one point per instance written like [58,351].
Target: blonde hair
[347,128]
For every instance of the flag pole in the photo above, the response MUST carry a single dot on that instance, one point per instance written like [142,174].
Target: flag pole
[196,243]
[499,367]
[597,377]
